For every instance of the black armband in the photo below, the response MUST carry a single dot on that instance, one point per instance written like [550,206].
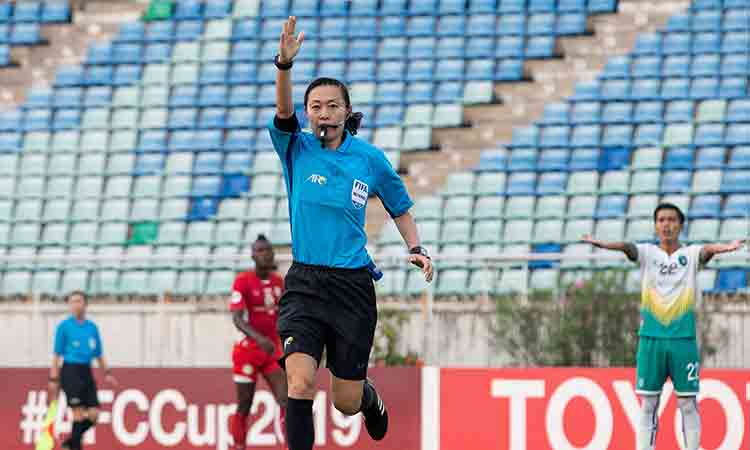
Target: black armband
[288,125]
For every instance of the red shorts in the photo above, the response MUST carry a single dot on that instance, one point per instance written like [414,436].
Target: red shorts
[249,360]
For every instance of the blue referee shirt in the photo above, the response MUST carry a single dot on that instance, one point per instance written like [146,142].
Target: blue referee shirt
[77,342]
[328,191]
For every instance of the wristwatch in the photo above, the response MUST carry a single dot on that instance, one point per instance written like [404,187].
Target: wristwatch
[419,250]
[282,66]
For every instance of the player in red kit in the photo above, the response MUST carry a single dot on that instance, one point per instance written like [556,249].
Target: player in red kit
[254,307]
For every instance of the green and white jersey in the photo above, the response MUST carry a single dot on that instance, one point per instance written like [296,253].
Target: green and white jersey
[669,290]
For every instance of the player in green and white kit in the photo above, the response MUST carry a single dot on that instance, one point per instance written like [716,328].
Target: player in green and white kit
[668,345]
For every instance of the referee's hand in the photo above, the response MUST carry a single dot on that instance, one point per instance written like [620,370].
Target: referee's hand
[53,388]
[289,45]
[423,263]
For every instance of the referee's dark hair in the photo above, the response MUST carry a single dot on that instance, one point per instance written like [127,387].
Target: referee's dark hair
[354,120]
[81,293]
[262,238]
[671,206]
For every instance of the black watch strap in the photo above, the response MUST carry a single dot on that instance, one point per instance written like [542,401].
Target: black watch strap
[280,65]
[419,250]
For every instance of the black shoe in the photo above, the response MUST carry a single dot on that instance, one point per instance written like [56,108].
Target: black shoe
[376,417]
[66,445]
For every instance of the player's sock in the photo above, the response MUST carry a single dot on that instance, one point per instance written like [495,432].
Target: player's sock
[374,412]
[87,423]
[239,429]
[76,435]
[649,422]
[691,422]
[300,432]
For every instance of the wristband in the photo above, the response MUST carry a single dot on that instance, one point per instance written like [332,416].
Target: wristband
[419,250]
[54,379]
[282,66]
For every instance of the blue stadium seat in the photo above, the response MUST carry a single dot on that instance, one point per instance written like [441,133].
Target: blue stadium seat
[736,205]
[482,25]
[190,30]
[510,47]
[645,89]
[242,73]
[705,207]
[553,159]
[704,88]
[392,7]
[25,34]
[448,70]
[153,140]
[162,31]
[66,119]
[184,96]
[540,47]
[735,181]
[333,27]
[521,183]
[419,93]
[132,32]
[241,118]
[676,181]
[647,44]
[734,87]
[451,47]
[601,6]
[9,142]
[678,158]
[513,25]
[525,136]
[420,70]
[480,69]
[56,11]
[213,96]
[447,7]
[648,111]
[736,20]
[586,136]
[709,134]
[480,47]
[364,49]
[543,6]
[738,111]
[571,24]
[421,26]
[735,42]
[614,159]
[126,74]
[618,67]
[243,51]
[705,65]
[98,75]
[98,96]
[237,162]
[675,65]
[617,112]
[737,134]
[734,64]
[212,118]
[27,12]
[188,10]
[68,97]
[126,53]
[235,185]
[38,98]
[421,48]
[511,6]
[10,120]
[99,53]
[4,33]
[327,7]
[391,26]
[675,88]
[648,134]
[678,23]
[208,139]
[361,71]
[362,27]
[571,5]
[706,43]
[183,118]
[203,208]
[213,73]
[243,95]
[522,160]
[552,183]
[740,158]
[554,136]
[585,112]
[390,92]
[392,48]
[710,158]
[217,9]
[37,119]
[732,280]
[509,70]
[451,26]
[611,206]
[208,163]
[205,186]
[149,164]
[156,53]
[617,135]
[680,111]
[364,7]
[492,160]
[556,113]
[541,24]
[485,6]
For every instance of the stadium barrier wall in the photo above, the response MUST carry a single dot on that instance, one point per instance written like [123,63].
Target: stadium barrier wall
[431,409]
[154,409]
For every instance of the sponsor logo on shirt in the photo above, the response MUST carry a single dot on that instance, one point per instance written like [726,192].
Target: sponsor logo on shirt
[236,297]
[288,341]
[317,179]
[360,191]
[683,260]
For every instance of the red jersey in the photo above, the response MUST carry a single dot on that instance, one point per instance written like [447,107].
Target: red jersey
[260,298]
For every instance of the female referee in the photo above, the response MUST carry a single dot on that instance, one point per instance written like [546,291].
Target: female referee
[330,298]
[77,342]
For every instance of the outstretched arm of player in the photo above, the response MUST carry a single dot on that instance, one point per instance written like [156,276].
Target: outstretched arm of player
[239,321]
[630,250]
[709,250]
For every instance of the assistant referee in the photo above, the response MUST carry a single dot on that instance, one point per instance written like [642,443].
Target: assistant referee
[77,343]
[330,297]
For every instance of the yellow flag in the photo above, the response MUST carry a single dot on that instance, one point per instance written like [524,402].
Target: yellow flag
[46,439]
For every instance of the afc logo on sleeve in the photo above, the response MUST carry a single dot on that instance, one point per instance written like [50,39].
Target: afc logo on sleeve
[360,192]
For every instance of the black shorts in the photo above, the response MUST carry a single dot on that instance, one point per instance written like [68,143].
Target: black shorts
[332,308]
[77,381]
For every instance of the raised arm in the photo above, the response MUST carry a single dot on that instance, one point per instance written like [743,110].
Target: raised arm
[709,250]
[630,250]
[288,48]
